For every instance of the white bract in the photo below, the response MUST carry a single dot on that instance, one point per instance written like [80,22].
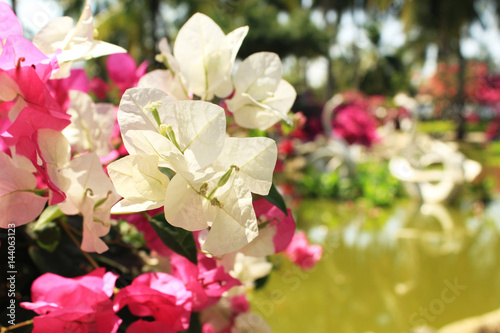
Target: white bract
[247,269]
[171,80]
[18,202]
[140,182]
[206,55]
[91,124]
[201,63]
[70,43]
[214,175]
[88,189]
[261,97]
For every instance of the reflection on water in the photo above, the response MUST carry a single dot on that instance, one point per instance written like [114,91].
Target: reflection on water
[388,271]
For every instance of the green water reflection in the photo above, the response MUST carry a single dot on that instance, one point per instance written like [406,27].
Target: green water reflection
[388,270]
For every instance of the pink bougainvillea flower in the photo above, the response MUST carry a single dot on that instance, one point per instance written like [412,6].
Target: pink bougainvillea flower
[20,52]
[9,23]
[493,130]
[80,304]
[206,281]
[275,233]
[34,109]
[301,253]
[157,295]
[286,147]
[15,50]
[141,326]
[355,124]
[59,88]
[123,71]
[99,87]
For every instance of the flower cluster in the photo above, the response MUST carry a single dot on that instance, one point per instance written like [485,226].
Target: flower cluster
[161,162]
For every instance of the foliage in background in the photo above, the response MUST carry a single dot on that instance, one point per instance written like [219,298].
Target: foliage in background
[373,183]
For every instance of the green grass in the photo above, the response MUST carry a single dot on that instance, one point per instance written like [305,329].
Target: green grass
[436,126]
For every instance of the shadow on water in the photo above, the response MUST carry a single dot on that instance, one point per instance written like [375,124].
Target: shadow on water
[388,270]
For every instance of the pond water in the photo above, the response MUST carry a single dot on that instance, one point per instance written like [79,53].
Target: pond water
[387,270]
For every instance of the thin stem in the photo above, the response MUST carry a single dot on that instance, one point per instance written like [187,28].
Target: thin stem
[13,327]
[73,229]
[85,254]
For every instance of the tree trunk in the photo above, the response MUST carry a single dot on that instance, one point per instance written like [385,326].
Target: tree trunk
[459,102]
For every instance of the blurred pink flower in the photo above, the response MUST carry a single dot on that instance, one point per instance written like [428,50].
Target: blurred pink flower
[301,253]
[99,87]
[80,304]
[220,318]
[286,147]
[493,130]
[59,88]
[123,71]
[355,124]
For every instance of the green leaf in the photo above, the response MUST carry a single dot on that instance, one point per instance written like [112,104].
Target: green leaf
[167,172]
[177,239]
[49,214]
[48,236]
[276,199]
[194,324]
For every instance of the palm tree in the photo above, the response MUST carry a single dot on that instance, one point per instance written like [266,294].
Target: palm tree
[339,7]
[443,23]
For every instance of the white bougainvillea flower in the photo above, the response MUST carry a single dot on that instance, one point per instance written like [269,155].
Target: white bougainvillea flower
[227,211]
[166,81]
[170,80]
[261,97]
[143,109]
[255,159]
[18,202]
[206,55]
[199,128]
[214,175]
[247,269]
[91,124]
[250,322]
[87,187]
[139,180]
[72,43]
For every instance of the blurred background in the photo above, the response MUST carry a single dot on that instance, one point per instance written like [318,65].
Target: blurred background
[392,164]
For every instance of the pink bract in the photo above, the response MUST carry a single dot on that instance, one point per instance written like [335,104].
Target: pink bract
[20,52]
[59,88]
[285,225]
[77,304]
[123,71]
[301,253]
[157,295]
[9,23]
[206,281]
[355,124]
